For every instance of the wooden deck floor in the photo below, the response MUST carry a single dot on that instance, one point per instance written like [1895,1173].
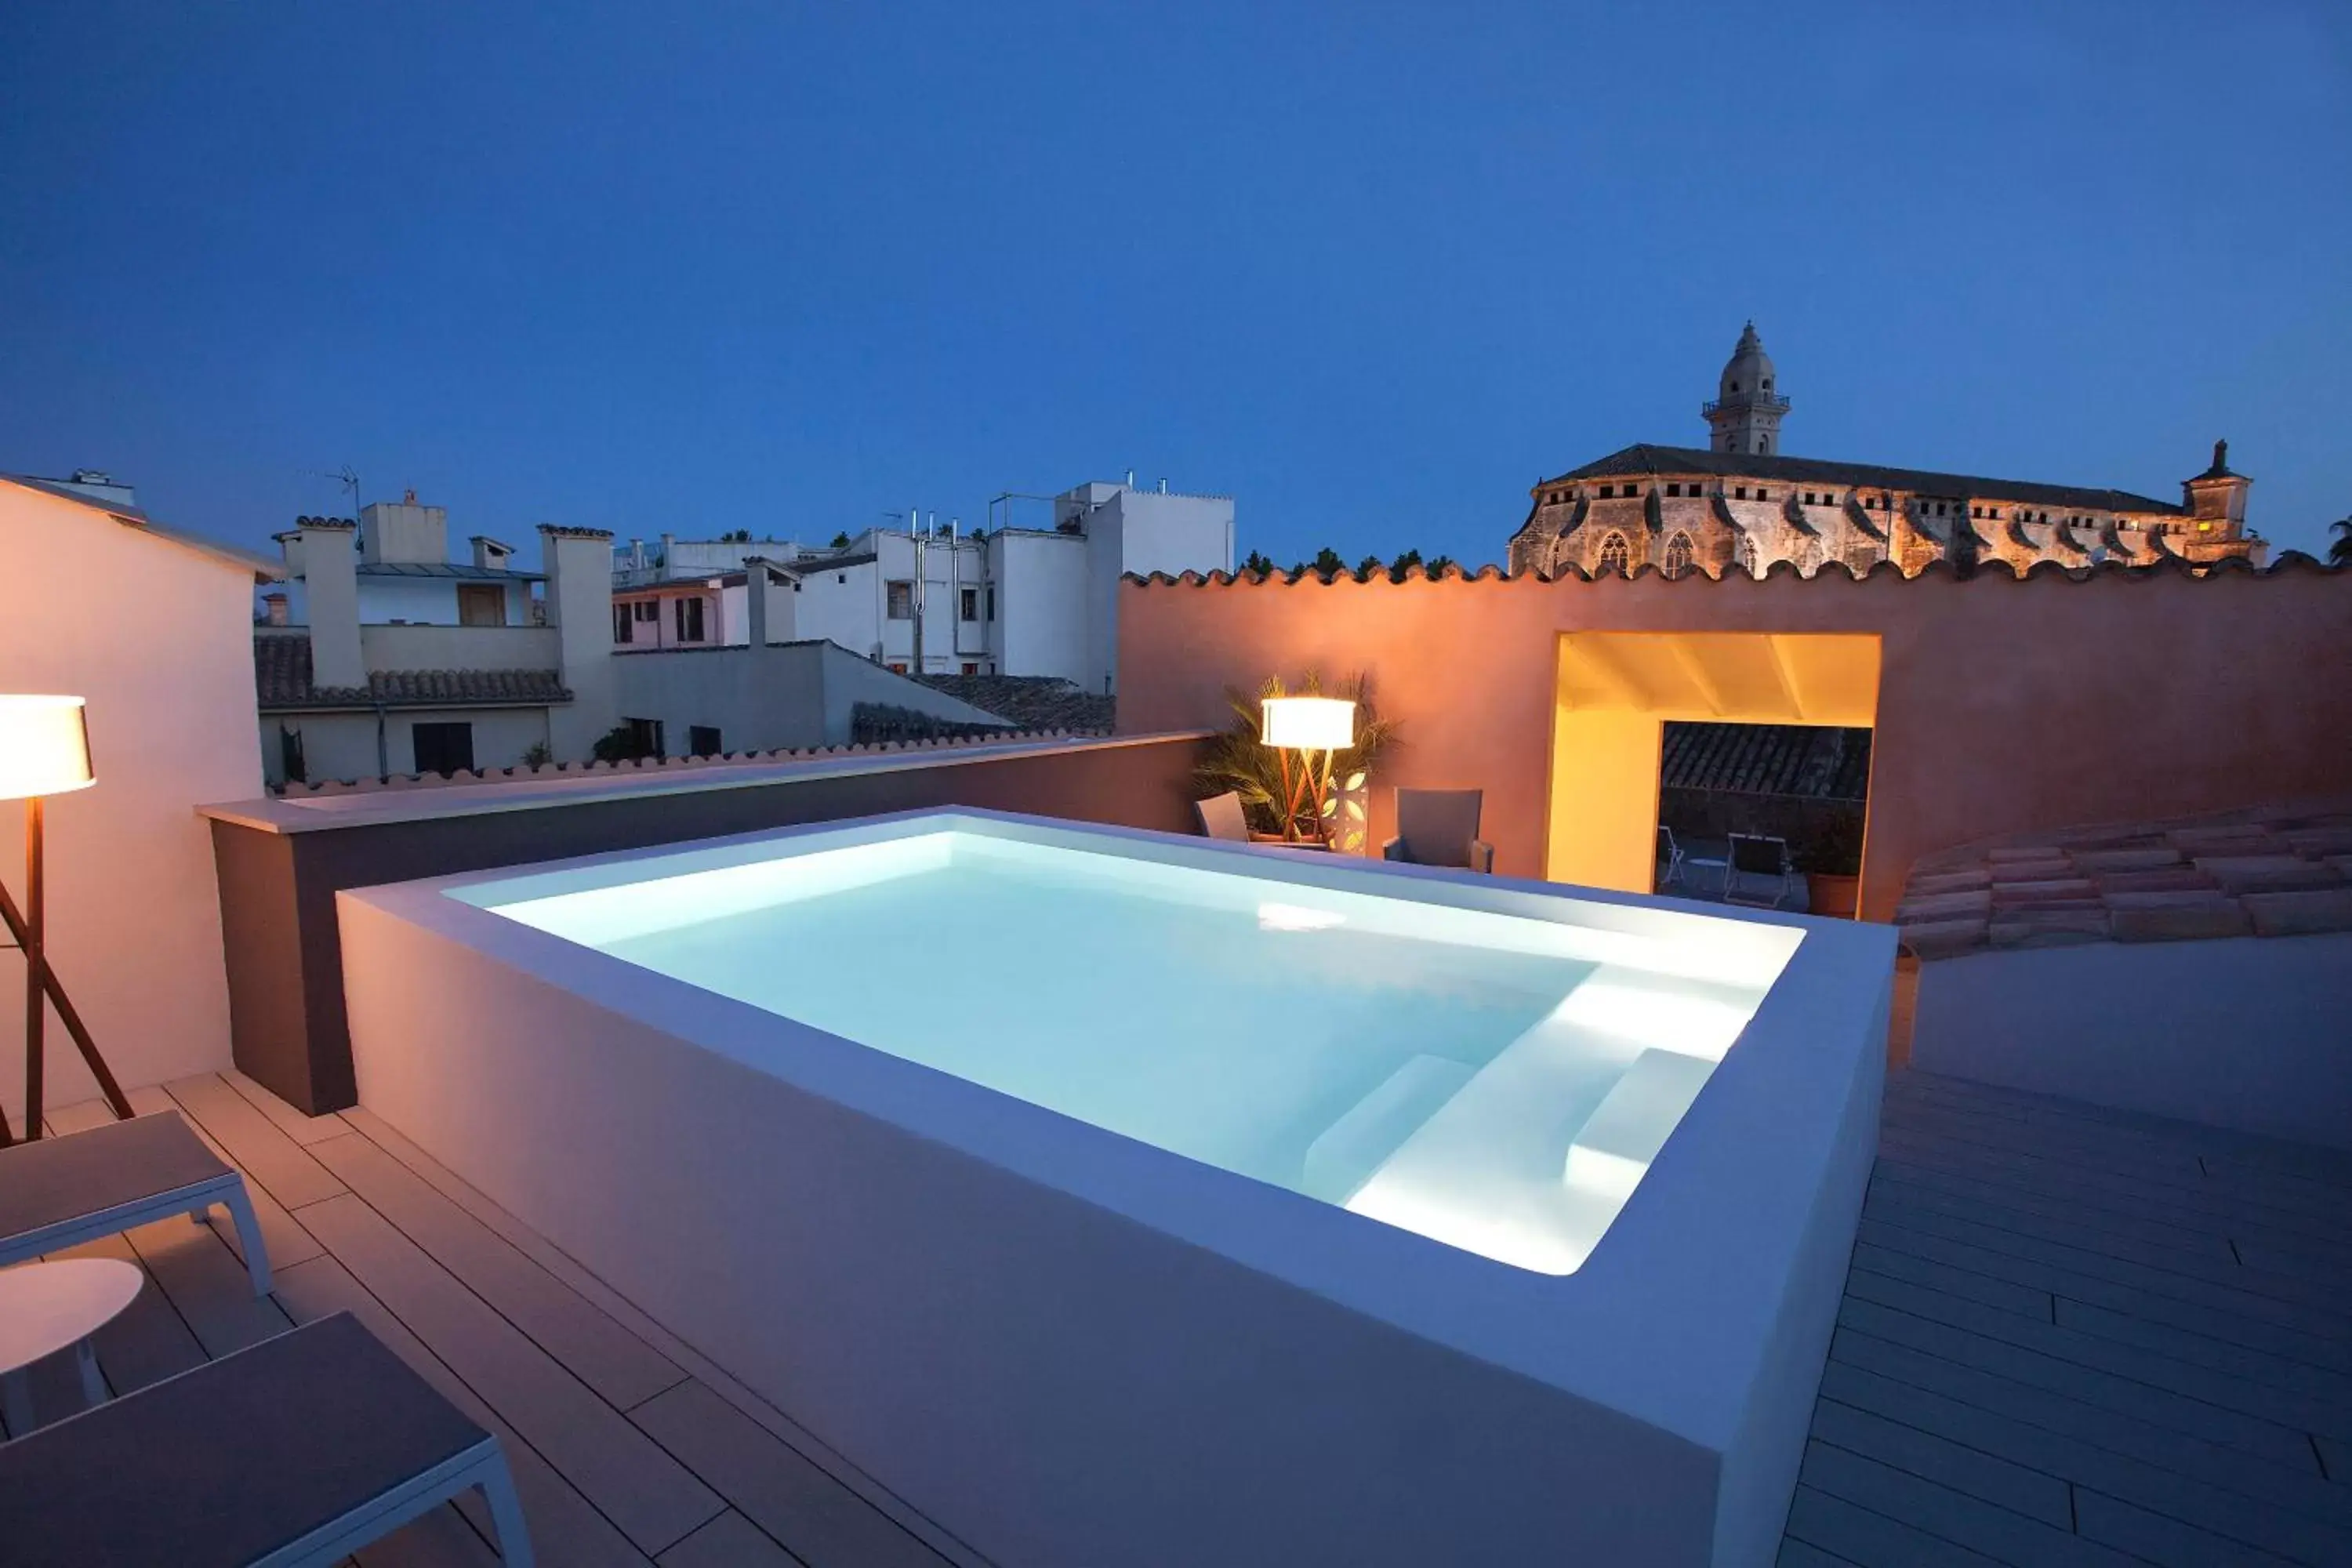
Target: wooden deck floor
[627,1447]
[2069,1337]
[2074,1336]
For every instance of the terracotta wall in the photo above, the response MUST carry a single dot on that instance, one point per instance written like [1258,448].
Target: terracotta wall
[2004,704]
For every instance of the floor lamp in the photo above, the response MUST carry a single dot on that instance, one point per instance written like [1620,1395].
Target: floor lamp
[44,751]
[1308,724]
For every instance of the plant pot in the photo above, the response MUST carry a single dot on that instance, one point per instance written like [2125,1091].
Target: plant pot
[1839,897]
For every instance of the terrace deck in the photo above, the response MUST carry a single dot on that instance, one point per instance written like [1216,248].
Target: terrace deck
[2070,1336]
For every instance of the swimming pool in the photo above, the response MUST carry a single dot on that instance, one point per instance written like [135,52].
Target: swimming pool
[1490,1080]
[1015,1157]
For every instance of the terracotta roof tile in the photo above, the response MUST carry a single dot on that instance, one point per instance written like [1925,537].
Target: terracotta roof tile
[281,678]
[2300,914]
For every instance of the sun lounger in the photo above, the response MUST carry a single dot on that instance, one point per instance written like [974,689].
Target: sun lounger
[58,1192]
[297,1451]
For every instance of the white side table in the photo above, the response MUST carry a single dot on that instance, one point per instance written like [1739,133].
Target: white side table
[44,1308]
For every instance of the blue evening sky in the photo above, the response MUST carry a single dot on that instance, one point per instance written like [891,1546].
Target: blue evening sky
[1372,269]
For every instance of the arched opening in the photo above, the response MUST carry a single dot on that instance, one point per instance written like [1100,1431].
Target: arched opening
[1678,555]
[1616,556]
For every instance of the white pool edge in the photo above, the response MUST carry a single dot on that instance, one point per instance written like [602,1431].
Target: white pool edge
[1715,1291]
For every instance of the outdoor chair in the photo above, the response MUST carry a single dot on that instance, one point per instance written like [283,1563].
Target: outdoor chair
[1756,855]
[1221,817]
[295,1452]
[1670,855]
[56,1193]
[1439,828]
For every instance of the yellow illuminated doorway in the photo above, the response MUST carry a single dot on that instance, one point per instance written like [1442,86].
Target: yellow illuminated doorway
[1613,694]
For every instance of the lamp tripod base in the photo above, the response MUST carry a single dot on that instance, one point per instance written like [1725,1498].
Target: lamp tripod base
[43,989]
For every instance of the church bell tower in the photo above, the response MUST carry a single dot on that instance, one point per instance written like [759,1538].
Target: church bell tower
[1745,414]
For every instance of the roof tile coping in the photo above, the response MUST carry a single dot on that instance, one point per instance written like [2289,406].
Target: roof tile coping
[2167,565]
[522,772]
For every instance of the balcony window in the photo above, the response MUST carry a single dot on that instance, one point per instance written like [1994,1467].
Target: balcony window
[624,623]
[689,617]
[442,749]
[968,606]
[898,600]
[481,605]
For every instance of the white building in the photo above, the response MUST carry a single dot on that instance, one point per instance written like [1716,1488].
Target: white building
[933,601]
[385,656]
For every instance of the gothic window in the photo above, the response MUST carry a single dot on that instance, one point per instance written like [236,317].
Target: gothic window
[1678,555]
[1615,556]
[1743,554]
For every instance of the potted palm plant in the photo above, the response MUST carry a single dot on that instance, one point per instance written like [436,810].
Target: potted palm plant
[1238,759]
[1831,857]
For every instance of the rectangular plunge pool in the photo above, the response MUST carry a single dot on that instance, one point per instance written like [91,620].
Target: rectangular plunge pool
[1069,1138]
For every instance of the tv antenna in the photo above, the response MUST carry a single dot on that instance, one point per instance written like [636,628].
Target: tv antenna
[348,480]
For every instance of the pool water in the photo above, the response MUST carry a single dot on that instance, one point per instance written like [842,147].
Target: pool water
[1493,1081]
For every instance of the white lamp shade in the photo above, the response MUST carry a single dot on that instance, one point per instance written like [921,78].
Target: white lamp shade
[43,746]
[1307,723]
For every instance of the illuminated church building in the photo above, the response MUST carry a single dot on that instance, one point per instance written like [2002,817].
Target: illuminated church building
[1742,505]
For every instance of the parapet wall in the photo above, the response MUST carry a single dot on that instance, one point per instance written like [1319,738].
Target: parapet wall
[2005,703]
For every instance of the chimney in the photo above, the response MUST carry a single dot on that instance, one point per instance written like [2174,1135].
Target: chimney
[668,566]
[403,532]
[489,554]
[579,600]
[331,588]
[755,600]
[1163,484]
[273,609]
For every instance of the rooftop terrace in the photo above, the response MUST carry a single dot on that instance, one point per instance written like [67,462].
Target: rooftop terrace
[2069,1335]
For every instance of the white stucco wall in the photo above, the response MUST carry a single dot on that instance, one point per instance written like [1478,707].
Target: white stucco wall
[1041,605]
[802,695]
[343,745]
[134,916]
[425,601]
[842,607]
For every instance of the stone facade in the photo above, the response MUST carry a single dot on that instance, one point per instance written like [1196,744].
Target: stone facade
[1741,505]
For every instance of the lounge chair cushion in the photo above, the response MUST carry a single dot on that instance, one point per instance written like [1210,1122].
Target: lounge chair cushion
[55,1179]
[228,1461]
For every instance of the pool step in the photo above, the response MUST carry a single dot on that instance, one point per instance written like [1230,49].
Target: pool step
[1631,1122]
[1352,1148]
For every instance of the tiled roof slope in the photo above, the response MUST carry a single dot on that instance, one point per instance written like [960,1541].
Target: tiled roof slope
[281,678]
[2270,871]
[1644,458]
[1804,759]
[1030,701]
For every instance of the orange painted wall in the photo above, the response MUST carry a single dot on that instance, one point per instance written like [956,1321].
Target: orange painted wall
[2004,704]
